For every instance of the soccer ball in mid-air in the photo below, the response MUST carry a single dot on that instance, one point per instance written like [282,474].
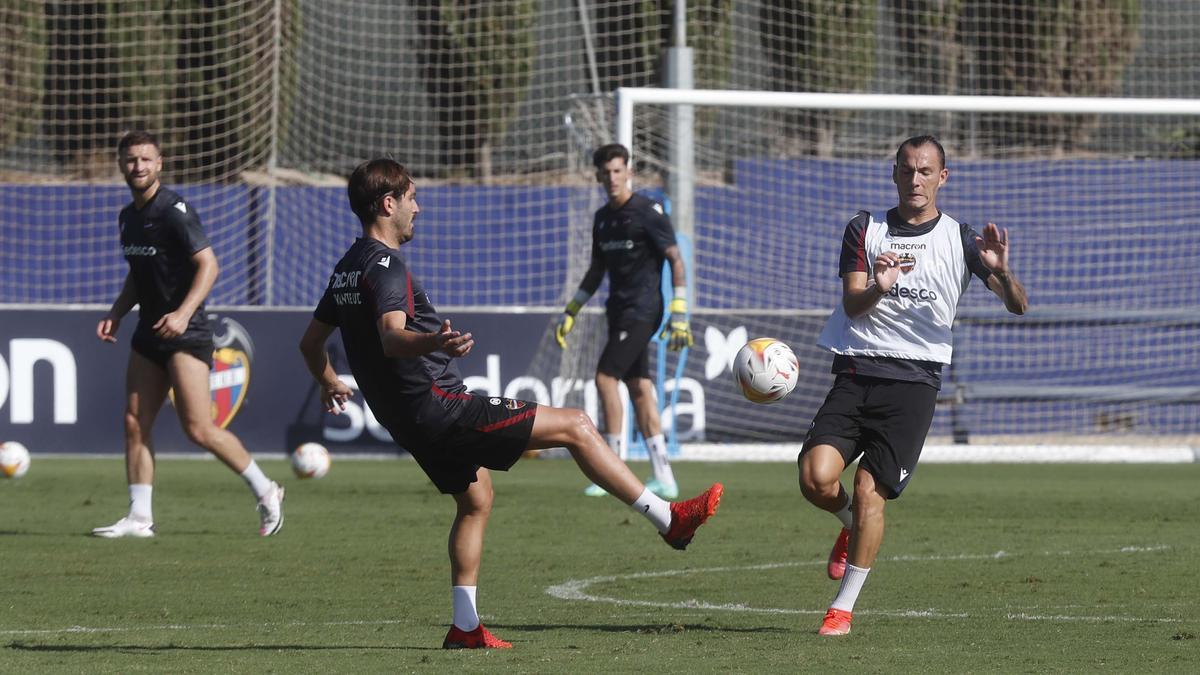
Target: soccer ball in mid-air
[765,370]
[310,460]
[14,459]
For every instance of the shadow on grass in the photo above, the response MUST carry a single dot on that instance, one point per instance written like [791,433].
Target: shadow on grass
[650,629]
[645,629]
[134,649]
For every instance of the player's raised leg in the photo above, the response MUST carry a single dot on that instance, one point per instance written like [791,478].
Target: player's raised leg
[573,429]
[189,377]
[473,507]
[145,390]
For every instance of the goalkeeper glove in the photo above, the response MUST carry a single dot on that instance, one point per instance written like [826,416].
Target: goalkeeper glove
[677,331]
[567,321]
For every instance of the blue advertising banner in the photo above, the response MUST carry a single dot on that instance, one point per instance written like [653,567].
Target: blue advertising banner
[62,389]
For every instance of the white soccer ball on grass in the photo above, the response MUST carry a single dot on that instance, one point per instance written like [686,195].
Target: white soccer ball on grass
[14,459]
[310,460]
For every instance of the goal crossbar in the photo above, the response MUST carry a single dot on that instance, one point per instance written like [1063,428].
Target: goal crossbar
[628,97]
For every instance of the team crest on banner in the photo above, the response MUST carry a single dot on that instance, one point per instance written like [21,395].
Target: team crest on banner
[230,377]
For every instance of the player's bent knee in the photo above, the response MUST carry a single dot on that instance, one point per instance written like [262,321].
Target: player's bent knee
[818,479]
[133,426]
[200,433]
[475,501]
[814,489]
[579,426]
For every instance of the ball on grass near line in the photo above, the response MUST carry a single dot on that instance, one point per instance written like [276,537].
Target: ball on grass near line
[765,370]
[14,459]
[310,460]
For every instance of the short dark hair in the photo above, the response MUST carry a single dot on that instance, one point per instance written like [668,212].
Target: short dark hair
[137,137]
[917,141]
[607,153]
[371,182]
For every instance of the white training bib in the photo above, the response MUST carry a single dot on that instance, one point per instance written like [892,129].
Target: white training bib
[913,321]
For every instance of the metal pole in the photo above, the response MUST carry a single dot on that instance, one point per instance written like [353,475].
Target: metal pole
[589,46]
[681,157]
[273,156]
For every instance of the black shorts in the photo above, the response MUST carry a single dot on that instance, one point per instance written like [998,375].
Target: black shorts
[159,350]
[490,432]
[883,421]
[627,354]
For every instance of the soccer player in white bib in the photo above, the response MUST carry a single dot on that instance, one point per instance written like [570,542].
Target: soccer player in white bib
[902,273]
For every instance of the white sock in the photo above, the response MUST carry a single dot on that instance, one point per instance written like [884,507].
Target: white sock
[139,501]
[852,583]
[616,443]
[846,514]
[658,459]
[256,479]
[656,509]
[466,617]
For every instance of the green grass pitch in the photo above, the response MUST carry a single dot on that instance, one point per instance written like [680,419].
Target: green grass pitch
[984,568]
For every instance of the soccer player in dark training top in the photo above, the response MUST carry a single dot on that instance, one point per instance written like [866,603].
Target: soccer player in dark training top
[631,236]
[902,277]
[172,268]
[402,355]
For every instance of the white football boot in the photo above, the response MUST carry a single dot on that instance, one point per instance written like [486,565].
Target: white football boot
[270,511]
[126,527]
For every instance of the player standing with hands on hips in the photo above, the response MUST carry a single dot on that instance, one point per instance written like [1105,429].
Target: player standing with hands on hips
[403,356]
[902,278]
[631,236]
[171,271]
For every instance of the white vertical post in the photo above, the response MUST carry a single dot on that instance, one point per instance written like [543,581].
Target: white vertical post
[273,158]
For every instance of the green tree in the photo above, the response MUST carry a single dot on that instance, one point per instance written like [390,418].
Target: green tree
[632,36]
[818,46]
[198,73]
[928,33]
[494,41]
[23,27]
[478,59]
[1053,48]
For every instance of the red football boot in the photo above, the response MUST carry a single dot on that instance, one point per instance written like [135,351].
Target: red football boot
[479,638]
[691,514]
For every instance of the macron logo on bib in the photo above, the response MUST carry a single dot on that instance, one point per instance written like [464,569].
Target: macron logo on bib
[385,261]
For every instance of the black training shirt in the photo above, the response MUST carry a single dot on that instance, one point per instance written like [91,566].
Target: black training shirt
[158,242]
[629,242]
[414,398]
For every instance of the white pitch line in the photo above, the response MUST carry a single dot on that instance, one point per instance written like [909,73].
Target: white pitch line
[576,589]
[1094,619]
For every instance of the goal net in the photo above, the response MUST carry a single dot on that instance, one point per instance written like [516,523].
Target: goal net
[1097,198]
[264,108]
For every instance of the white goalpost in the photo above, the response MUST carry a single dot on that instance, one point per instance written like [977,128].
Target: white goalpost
[1098,198]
